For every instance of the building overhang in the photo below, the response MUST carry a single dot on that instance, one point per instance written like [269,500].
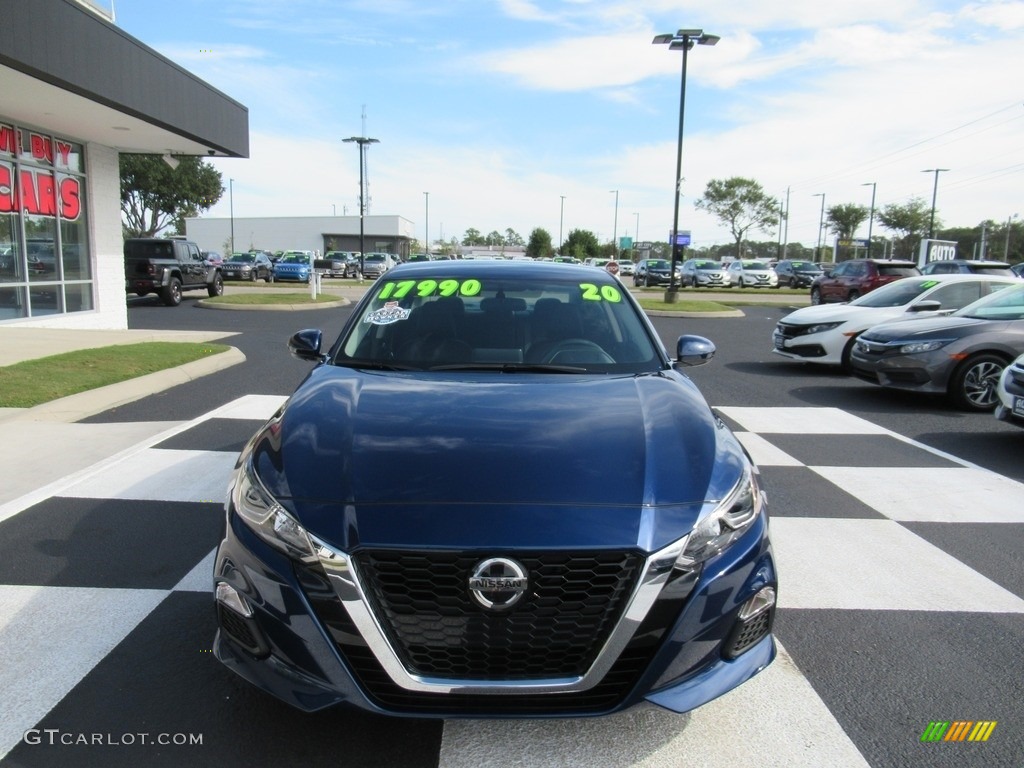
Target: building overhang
[67,70]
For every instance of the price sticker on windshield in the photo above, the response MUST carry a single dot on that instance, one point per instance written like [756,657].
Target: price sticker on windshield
[399,289]
[592,292]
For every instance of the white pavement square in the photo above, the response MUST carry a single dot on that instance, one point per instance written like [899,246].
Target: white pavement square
[876,565]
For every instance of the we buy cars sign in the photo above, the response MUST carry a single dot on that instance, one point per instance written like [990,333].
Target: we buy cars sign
[37,191]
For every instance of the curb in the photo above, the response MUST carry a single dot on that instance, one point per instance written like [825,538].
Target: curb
[274,307]
[84,404]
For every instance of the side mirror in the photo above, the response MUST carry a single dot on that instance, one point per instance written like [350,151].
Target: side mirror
[928,305]
[305,345]
[693,350]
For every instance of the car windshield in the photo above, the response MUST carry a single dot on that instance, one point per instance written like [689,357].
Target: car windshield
[659,264]
[295,258]
[243,258]
[895,294]
[1007,304]
[498,317]
[707,265]
[898,270]
[805,266]
[374,257]
[754,265]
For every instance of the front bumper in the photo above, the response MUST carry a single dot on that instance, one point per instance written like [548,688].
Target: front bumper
[928,372]
[304,644]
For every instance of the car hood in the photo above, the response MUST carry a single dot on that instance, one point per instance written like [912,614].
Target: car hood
[835,313]
[937,326]
[520,459]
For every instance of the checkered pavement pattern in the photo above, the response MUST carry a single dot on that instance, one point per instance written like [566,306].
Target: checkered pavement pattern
[901,602]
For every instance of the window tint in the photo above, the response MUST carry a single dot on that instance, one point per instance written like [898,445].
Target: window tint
[957,295]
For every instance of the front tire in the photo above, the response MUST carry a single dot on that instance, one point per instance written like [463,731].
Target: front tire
[973,385]
[815,296]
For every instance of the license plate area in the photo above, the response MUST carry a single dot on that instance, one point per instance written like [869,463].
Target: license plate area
[1018,406]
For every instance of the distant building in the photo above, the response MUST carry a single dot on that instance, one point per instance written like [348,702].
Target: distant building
[384,234]
[75,91]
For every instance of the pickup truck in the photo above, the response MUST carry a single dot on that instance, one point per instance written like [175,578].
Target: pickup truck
[168,266]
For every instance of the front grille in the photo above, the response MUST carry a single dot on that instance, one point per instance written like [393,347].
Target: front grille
[423,601]
[607,694]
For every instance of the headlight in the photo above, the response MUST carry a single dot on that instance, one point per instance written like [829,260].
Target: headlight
[821,327]
[923,346]
[730,519]
[267,518]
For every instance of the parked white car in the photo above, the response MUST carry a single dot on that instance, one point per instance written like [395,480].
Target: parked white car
[825,333]
[746,273]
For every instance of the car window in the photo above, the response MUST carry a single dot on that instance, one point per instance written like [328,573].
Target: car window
[955,295]
[754,265]
[895,294]
[448,320]
[1002,305]
[897,270]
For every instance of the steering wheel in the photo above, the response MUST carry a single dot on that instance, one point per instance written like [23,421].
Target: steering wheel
[575,351]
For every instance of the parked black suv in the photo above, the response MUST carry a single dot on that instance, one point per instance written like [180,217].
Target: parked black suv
[796,273]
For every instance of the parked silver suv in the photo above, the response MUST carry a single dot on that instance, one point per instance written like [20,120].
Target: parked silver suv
[376,264]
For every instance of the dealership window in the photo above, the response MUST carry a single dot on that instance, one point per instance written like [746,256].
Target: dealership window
[45,267]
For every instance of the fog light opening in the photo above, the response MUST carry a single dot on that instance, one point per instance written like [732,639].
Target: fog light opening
[753,623]
[232,598]
[762,601]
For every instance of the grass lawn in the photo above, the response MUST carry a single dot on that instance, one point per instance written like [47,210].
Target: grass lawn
[32,382]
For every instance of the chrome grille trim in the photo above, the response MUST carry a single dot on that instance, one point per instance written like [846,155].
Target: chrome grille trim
[345,579]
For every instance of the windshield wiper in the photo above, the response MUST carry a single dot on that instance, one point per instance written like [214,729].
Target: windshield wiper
[510,367]
[376,365]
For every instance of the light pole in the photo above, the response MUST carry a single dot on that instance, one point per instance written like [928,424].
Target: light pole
[561,219]
[871,216]
[615,225]
[935,192]
[231,207]
[636,234]
[426,225]
[1006,245]
[362,141]
[683,40]
[821,223]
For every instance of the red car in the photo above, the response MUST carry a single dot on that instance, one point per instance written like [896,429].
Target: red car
[855,277]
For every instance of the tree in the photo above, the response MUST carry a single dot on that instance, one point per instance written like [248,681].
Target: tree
[494,237]
[539,244]
[512,237]
[472,237]
[741,204]
[155,196]
[581,244]
[843,221]
[909,222]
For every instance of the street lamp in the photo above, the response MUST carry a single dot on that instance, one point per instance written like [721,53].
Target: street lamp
[362,141]
[821,223]
[935,191]
[871,216]
[426,224]
[615,225]
[636,234]
[683,40]
[561,218]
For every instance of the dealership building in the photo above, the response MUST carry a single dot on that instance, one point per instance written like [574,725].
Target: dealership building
[75,92]
[320,234]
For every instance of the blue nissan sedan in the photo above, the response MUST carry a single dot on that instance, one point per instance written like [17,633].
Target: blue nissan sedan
[495,495]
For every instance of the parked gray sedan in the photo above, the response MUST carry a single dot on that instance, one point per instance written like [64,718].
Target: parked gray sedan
[961,355]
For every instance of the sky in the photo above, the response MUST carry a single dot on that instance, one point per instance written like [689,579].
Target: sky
[562,114]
